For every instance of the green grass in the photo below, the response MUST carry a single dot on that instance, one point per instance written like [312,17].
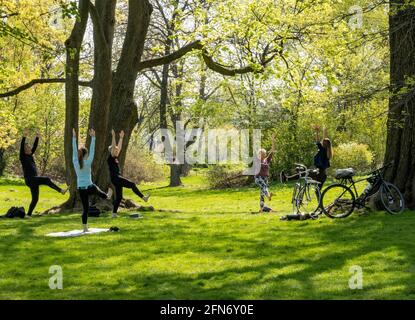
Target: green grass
[205,245]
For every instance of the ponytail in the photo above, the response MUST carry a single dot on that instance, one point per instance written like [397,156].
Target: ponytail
[81,154]
[329,148]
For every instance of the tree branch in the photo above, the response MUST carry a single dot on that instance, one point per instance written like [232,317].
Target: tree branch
[211,64]
[31,83]
[196,45]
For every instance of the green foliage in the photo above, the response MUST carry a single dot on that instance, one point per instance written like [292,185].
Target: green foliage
[354,155]
[140,166]
[7,128]
[226,176]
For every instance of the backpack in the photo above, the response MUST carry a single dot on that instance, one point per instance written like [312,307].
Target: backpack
[15,212]
[93,211]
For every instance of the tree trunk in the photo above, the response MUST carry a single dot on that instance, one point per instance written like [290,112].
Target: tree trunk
[123,108]
[2,162]
[103,17]
[400,145]
[175,172]
[73,48]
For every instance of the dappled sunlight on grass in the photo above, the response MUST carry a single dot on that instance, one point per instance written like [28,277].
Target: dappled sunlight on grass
[207,244]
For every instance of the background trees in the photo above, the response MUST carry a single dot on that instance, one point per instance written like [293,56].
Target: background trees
[140,65]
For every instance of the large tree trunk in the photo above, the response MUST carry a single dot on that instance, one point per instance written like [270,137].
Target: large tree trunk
[123,108]
[103,17]
[73,48]
[401,118]
[175,172]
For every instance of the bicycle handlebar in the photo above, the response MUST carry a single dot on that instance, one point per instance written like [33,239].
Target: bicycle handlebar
[301,166]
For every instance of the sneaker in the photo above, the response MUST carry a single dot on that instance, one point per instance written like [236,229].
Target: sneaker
[27,217]
[109,194]
[114,215]
[63,191]
[145,198]
[85,228]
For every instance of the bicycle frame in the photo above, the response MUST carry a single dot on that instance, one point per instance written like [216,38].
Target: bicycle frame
[303,181]
[377,174]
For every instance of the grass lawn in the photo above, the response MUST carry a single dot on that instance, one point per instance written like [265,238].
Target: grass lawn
[205,245]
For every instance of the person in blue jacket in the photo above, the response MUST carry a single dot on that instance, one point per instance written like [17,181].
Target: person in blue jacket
[82,162]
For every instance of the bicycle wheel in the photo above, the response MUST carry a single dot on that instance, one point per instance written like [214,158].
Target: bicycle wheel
[337,201]
[392,199]
[295,195]
[308,199]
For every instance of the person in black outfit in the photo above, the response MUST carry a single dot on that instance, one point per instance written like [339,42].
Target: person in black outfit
[32,179]
[321,159]
[323,156]
[117,179]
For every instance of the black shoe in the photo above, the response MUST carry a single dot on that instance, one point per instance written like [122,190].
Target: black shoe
[114,229]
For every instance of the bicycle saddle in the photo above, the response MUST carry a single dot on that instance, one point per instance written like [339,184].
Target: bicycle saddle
[344,173]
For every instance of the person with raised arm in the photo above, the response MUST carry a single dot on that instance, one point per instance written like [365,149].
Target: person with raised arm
[117,179]
[321,159]
[82,162]
[31,177]
[262,175]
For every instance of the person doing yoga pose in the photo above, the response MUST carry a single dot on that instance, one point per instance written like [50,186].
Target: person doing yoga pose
[117,179]
[31,177]
[82,163]
[321,159]
[262,174]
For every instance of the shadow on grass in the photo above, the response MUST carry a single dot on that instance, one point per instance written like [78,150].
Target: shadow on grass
[306,260]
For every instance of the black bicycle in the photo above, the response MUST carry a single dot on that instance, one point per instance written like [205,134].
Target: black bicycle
[306,193]
[340,199]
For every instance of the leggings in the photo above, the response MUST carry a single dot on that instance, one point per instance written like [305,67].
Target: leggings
[119,183]
[320,177]
[84,195]
[33,183]
[262,183]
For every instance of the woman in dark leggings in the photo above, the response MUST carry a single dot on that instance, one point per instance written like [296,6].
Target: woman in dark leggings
[82,163]
[321,159]
[32,179]
[323,156]
[117,179]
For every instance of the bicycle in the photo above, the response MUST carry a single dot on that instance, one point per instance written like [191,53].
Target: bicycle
[339,200]
[306,193]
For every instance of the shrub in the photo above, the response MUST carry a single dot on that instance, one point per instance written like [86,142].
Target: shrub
[140,166]
[354,155]
[226,176]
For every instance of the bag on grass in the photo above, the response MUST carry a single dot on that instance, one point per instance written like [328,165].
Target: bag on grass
[94,211]
[15,212]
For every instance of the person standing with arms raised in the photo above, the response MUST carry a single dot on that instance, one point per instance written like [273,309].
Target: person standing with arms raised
[31,177]
[117,179]
[82,162]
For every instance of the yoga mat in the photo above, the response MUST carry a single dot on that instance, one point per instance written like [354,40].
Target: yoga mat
[76,233]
